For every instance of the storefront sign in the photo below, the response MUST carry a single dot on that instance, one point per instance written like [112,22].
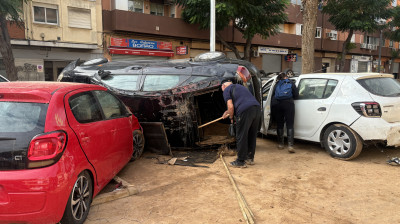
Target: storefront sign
[272,50]
[119,42]
[291,57]
[128,51]
[141,44]
[182,50]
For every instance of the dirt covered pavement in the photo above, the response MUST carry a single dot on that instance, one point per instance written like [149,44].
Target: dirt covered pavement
[306,187]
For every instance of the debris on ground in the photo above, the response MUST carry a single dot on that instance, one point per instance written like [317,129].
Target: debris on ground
[226,151]
[395,161]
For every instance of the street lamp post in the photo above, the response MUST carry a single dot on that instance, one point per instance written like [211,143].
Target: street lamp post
[212,25]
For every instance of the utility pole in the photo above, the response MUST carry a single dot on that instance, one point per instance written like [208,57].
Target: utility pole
[212,26]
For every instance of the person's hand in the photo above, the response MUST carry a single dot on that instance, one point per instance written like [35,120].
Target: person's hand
[225,115]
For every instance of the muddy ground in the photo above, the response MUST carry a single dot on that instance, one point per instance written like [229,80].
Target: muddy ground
[306,187]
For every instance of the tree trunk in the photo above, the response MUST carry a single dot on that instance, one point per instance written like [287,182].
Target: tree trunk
[345,51]
[247,50]
[308,37]
[231,47]
[6,51]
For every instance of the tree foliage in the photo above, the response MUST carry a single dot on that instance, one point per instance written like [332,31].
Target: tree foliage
[394,23]
[10,10]
[251,17]
[356,15]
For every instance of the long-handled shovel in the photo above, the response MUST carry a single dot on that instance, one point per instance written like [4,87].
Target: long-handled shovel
[212,121]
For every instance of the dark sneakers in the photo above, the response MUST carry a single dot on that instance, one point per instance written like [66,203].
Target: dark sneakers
[249,162]
[238,164]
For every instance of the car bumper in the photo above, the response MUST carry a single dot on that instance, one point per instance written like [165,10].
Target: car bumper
[377,129]
[34,196]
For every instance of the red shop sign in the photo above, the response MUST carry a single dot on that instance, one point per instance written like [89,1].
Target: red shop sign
[181,50]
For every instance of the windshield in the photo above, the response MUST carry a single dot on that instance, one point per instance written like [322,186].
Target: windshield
[19,123]
[381,86]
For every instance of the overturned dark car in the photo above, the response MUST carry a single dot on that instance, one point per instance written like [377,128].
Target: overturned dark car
[172,98]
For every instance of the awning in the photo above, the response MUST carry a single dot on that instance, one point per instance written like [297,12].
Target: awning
[114,50]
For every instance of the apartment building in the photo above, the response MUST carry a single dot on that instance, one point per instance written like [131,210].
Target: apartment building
[55,33]
[152,29]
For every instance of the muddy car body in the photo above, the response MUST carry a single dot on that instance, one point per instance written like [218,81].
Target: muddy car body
[179,95]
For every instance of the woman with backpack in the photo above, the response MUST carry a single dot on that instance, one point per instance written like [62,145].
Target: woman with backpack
[285,91]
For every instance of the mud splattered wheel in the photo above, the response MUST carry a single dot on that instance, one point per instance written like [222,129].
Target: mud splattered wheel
[79,201]
[341,142]
[138,144]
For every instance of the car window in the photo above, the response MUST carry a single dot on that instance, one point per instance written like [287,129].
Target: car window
[21,117]
[381,86]
[122,81]
[265,89]
[110,105]
[316,88]
[162,82]
[85,108]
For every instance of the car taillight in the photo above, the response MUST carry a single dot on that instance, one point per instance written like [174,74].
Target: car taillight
[46,149]
[243,73]
[368,109]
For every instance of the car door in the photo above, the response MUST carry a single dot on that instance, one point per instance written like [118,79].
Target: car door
[313,104]
[267,89]
[97,136]
[115,111]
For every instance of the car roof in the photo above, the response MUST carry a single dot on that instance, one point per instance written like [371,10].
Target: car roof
[40,92]
[354,75]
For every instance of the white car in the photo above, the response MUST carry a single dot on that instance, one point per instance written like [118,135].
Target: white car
[342,111]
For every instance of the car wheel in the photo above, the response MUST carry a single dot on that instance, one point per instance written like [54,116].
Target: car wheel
[79,200]
[138,144]
[341,142]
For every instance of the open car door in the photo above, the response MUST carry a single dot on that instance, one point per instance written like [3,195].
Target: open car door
[267,89]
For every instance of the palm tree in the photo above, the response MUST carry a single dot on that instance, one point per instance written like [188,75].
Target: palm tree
[10,10]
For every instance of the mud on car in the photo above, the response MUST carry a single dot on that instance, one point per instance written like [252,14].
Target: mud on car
[172,98]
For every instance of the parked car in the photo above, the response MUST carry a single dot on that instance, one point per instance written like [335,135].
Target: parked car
[3,79]
[60,144]
[343,111]
[172,98]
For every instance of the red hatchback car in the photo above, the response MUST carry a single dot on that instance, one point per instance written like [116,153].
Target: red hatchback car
[60,144]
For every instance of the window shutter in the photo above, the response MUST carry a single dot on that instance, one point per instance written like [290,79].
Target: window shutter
[79,18]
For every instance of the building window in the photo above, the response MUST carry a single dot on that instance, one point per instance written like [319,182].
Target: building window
[156,9]
[172,11]
[394,3]
[79,18]
[46,15]
[135,5]
[391,43]
[318,32]
[296,2]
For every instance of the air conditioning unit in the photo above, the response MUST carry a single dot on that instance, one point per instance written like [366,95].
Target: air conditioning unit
[331,35]
[374,47]
[363,45]
[369,46]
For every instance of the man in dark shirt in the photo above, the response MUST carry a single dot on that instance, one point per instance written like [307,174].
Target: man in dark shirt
[246,110]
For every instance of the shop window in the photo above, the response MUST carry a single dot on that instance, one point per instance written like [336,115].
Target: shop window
[135,5]
[79,18]
[45,15]
[156,9]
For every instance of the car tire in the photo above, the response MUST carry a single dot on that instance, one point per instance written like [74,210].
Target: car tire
[138,144]
[79,200]
[341,142]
